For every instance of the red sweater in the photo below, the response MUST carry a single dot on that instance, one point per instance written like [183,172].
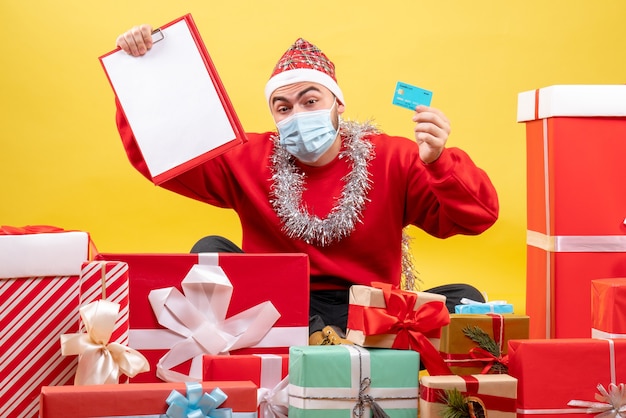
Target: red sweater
[450,196]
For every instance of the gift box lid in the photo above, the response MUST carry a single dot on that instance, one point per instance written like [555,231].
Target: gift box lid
[43,254]
[580,100]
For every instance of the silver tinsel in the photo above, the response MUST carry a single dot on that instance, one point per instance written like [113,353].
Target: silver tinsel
[289,185]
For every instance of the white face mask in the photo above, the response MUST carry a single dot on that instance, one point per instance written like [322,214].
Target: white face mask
[308,135]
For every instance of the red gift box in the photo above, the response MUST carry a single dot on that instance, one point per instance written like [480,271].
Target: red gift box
[267,371]
[553,372]
[255,278]
[135,399]
[608,308]
[573,213]
[264,370]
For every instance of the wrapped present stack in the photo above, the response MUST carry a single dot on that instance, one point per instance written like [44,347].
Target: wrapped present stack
[575,144]
[574,363]
[40,268]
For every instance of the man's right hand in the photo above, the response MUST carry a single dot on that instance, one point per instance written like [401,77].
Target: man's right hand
[136,41]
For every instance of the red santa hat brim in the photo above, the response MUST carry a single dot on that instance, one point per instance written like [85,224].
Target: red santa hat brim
[299,75]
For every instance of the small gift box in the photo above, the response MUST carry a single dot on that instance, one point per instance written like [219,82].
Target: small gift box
[608,308]
[553,372]
[187,305]
[158,400]
[469,306]
[488,395]
[339,380]
[267,371]
[461,341]
[380,316]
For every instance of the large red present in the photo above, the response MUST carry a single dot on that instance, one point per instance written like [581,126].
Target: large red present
[608,308]
[35,311]
[267,371]
[575,202]
[384,317]
[553,372]
[147,399]
[207,286]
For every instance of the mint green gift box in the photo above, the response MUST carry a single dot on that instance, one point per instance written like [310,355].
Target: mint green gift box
[325,381]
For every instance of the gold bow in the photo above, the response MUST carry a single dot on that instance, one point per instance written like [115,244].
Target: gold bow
[100,361]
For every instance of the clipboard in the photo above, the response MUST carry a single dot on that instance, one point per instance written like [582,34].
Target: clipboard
[174,101]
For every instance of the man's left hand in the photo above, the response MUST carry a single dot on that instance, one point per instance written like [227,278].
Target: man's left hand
[431,132]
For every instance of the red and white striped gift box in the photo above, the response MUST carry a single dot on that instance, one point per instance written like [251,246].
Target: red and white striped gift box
[107,280]
[34,312]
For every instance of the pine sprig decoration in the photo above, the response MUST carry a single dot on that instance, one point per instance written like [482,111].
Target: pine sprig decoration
[484,341]
[455,405]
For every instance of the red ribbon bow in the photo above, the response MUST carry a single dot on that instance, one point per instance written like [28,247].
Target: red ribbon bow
[412,326]
[489,359]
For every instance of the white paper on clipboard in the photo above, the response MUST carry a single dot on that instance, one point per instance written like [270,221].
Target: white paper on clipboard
[170,100]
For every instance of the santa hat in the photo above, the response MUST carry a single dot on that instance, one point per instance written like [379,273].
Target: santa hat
[303,61]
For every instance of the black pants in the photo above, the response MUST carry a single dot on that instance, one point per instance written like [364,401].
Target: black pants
[330,307]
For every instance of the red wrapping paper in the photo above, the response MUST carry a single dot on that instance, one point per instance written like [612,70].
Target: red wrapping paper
[575,217]
[256,278]
[608,308]
[552,372]
[244,367]
[134,399]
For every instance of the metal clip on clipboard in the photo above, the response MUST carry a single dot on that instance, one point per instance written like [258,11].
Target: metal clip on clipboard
[157,35]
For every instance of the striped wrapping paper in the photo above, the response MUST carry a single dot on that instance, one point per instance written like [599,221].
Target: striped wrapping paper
[107,280]
[34,312]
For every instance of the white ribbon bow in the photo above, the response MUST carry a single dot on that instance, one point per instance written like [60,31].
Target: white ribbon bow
[199,317]
[611,403]
[101,362]
[274,403]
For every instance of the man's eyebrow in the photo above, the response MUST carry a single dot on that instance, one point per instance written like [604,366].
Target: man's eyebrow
[300,94]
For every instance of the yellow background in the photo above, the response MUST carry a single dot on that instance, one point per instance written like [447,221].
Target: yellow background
[62,163]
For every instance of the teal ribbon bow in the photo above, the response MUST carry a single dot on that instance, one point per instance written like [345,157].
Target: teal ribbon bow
[197,404]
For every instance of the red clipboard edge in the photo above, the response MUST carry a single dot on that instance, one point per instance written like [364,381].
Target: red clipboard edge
[240,136]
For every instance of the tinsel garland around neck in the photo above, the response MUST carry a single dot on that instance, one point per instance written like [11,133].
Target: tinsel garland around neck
[288,185]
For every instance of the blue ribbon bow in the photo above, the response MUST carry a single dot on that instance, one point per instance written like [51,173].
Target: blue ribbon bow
[197,404]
